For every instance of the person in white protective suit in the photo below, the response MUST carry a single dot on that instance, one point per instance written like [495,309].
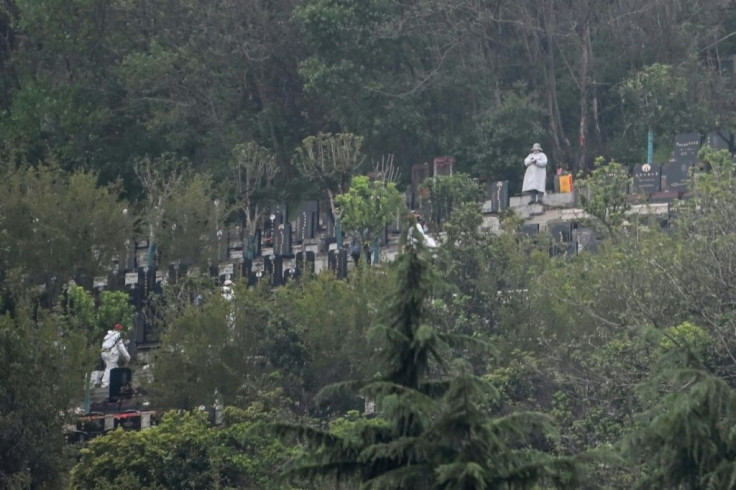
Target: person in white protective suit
[112,348]
[535,177]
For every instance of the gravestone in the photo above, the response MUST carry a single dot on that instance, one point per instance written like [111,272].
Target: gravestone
[121,379]
[291,273]
[686,148]
[530,229]
[225,271]
[305,262]
[278,214]
[282,240]
[498,194]
[306,221]
[141,253]
[246,268]
[560,231]
[329,221]
[647,178]
[342,263]
[719,140]
[675,176]
[443,166]
[274,268]
[585,239]
[419,173]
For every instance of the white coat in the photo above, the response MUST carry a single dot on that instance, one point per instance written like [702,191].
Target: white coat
[112,348]
[535,177]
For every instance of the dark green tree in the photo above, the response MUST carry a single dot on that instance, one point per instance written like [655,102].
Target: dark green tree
[439,431]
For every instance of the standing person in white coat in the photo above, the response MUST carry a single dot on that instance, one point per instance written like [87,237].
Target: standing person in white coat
[535,177]
[112,348]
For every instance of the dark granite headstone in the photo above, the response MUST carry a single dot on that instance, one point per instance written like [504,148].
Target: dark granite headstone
[675,176]
[498,194]
[282,240]
[686,148]
[305,262]
[121,379]
[274,267]
[530,229]
[306,221]
[647,178]
[332,260]
[342,263]
[560,231]
[279,214]
[719,140]
[291,273]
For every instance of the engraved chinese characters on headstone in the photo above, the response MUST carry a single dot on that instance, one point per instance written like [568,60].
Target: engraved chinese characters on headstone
[499,196]
[686,148]
[282,240]
[675,176]
[306,221]
[647,178]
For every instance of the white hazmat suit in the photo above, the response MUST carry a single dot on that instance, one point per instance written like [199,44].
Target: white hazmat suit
[536,172]
[112,348]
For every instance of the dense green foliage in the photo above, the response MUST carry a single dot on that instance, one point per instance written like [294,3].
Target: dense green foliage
[123,121]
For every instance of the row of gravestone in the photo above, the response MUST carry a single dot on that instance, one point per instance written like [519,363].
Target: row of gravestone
[671,178]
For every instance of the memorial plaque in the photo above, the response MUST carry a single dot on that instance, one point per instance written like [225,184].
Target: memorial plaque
[647,178]
[719,140]
[686,148]
[282,240]
[498,194]
[676,176]
[443,166]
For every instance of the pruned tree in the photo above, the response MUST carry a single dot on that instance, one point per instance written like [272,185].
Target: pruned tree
[330,160]
[253,168]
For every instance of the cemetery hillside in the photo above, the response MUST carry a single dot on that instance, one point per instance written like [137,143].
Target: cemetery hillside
[303,244]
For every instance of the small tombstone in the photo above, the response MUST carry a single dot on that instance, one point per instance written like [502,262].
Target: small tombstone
[99,283]
[282,240]
[306,221]
[305,262]
[686,148]
[274,267]
[342,263]
[498,195]
[120,383]
[332,260]
[530,229]
[443,166]
[647,178]
[719,140]
[585,239]
[419,173]
[561,231]
[291,273]
[246,268]
[675,176]
[278,214]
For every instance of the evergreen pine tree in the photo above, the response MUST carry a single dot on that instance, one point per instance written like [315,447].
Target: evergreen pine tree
[433,433]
